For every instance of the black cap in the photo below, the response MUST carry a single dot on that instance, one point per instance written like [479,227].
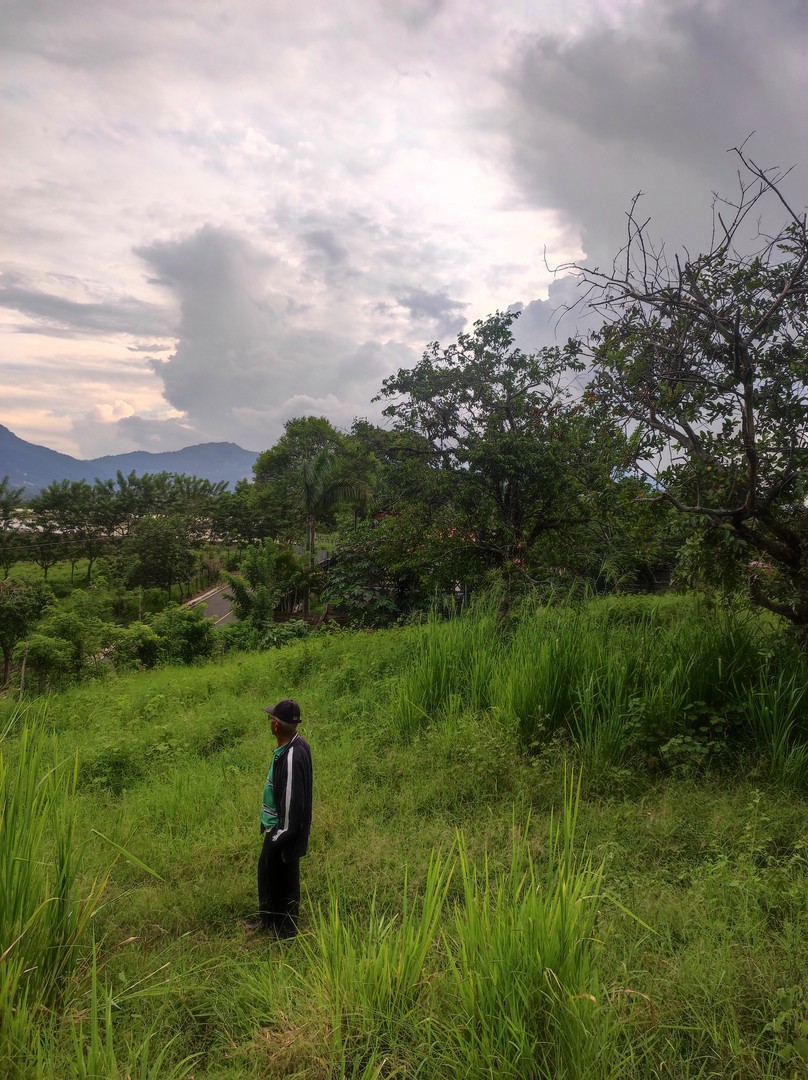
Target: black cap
[287,711]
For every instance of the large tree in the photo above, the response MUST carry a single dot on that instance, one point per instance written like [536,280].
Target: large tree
[278,471]
[164,550]
[323,486]
[62,511]
[238,517]
[705,360]
[518,451]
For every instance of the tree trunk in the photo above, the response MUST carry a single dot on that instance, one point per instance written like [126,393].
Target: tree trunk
[310,537]
[22,670]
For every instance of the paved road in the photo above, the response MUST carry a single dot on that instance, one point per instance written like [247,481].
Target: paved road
[217,607]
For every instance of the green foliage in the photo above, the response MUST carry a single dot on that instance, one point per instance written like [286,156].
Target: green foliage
[511,979]
[324,486]
[78,622]
[401,563]
[43,911]
[95,1055]
[790,1025]
[114,571]
[48,659]
[524,989]
[368,977]
[285,632]
[685,691]
[185,634]
[11,545]
[240,516]
[163,552]
[775,713]
[278,472]
[401,969]
[359,583]
[137,645]
[531,475]
[22,602]
[267,571]
[706,360]
[397,466]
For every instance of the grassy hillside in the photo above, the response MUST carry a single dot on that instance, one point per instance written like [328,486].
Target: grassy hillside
[570,843]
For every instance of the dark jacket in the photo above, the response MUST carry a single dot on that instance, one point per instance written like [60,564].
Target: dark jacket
[292,786]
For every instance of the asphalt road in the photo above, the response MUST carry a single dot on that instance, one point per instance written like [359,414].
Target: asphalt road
[217,608]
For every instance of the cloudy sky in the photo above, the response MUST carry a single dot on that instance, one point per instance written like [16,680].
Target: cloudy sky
[216,216]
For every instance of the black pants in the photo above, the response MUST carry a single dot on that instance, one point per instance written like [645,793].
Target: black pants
[278,890]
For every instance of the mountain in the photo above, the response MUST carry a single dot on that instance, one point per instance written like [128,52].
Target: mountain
[33,467]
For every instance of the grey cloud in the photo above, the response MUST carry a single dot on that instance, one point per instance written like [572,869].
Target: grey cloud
[153,434]
[415,14]
[225,330]
[241,356]
[373,361]
[60,317]
[325,242]
[436,307]
[651,105]
[99,437]
[552,321]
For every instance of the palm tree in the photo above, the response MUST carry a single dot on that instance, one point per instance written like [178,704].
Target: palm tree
[323,487]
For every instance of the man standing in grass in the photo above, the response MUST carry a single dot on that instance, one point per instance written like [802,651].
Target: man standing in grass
[285,822]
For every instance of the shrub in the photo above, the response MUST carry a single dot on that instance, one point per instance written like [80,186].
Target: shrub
[185,634]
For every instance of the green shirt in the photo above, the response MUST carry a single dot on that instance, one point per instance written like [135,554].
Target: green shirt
[269,812]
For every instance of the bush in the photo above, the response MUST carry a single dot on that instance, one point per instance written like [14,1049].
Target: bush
[185,634]
[47,658]
[282,633]
[136,646]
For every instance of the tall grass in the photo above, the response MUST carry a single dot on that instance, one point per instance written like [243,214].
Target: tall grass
[513,963]
[496,977]
[680,683]
[95,1056]
[43,917]
[777,714]
[46,910]
[455,666]
[369,976]
[523,993]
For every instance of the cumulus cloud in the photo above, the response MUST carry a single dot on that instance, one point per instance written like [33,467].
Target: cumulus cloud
[552,321]
[650,102]
[244,364]
[301,231]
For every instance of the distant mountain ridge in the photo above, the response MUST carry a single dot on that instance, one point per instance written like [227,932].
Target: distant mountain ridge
[33,467]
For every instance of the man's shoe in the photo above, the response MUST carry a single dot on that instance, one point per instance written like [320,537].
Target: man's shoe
[255,925]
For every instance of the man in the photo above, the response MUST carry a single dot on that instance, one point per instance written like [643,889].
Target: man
[285,822]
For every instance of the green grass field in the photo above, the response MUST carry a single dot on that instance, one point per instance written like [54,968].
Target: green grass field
[572,843]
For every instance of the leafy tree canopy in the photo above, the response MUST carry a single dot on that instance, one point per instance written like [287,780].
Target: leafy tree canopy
[705,360]
[164,552]
[521,452]
[278,472]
